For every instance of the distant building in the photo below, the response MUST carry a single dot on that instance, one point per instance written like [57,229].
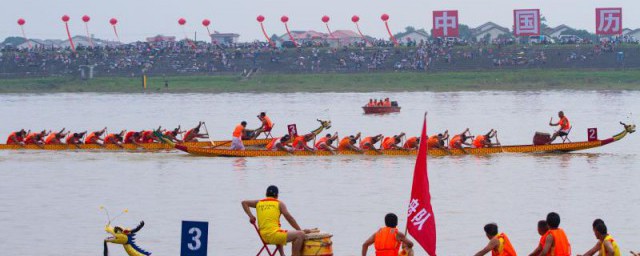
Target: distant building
[161,39]
[557,31]
[224,38]
[490,31]
[413,36]
[304,36]
[626,31]
[633,35]
[344,37]
[33,43]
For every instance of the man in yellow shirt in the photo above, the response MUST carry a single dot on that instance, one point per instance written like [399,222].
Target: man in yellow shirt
[606,245]
[269,211]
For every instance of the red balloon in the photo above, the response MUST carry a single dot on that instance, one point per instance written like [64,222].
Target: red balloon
[284,18]
[384,17]
[65,18]
[113,21]
[260,18]
[206,22]
[355,18]
[21,21]
[325,19]
[182,21]
[86,18]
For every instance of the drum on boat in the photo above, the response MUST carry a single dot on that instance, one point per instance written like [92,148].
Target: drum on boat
[317,244]
[541,138]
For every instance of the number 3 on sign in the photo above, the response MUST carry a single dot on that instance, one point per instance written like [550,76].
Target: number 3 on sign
[194,238]
[592,134]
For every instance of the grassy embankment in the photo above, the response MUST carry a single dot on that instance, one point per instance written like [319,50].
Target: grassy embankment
[532,79]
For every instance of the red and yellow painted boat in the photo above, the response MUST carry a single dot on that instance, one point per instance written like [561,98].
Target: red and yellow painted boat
[144,146]
[550,148]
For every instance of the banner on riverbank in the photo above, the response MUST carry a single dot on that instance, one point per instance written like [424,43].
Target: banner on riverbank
[526,22]
[445,24]
[608,21]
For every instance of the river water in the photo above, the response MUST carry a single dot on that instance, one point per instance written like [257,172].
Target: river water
[49,201]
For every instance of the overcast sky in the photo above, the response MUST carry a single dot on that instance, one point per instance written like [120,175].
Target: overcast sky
[142,18]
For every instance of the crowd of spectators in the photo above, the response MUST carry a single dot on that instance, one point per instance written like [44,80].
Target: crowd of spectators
[177,58]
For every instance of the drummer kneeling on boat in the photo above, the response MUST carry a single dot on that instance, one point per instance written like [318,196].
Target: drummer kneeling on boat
[269,211]
[387,240]
[499,244]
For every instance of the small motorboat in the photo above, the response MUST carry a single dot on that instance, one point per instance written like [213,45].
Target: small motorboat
[394,108]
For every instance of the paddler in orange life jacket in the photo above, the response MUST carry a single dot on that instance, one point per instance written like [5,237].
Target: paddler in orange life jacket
[387,240]
[460,140]
[368,143]
[543,230]
[193,134]
[147,136]
[392,142]
[606,245]
[17,138]
[499,244]
[300,142]
[236,138]
[325,142]
[172,135]
[35,138]
[132,137]
[114,138]
[438,140]
[55,138]
[94,137]
[556,243]
[266,126]
[75,138]
[411,143]
[564,124]
[484,141]
[269,211]
[349,143]
[280,144]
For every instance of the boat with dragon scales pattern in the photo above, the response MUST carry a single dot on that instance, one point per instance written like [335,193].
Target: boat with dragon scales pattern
[549,148]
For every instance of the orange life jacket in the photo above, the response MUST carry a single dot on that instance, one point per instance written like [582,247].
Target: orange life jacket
[411,143]
[128,137]
[70,139]
[504,248]
[189,135]
[564,124]
[111,138]
[388,142]
[237,132]
[273,143]
[320,141]
[32,138]
[267,123]
[433,141]
[365,141]
[299,142]
[14,135]
[478,142]
[92,138]
[386,243]
[51,138]
[543,239]
[561,246]
[344,143]
[455,140]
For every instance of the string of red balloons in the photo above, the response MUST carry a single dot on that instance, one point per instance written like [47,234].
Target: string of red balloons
[114,22]
[385,18]
[86,20]
[21,23]
[284,20]
[65,19]
[325,19]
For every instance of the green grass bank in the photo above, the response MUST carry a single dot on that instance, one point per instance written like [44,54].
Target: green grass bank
[511,80]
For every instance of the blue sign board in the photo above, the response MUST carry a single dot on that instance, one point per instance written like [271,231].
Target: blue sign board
[195,235]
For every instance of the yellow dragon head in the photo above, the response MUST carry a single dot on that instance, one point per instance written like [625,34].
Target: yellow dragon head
[118,235]
[325,124]
[126,238]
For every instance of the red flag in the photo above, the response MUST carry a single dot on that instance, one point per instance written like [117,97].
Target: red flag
[421,222]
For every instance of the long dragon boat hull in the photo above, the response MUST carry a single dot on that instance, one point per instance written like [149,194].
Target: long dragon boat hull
[550,148]
[144,146]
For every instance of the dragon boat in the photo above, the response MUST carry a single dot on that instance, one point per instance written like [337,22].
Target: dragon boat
[550,148]
[153,146]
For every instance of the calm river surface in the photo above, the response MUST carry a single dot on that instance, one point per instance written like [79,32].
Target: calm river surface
[49,201]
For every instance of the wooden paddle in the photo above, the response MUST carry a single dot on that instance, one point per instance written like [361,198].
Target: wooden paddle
[213,144]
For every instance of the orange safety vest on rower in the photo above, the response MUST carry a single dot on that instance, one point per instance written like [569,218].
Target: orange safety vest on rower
[411,142]
[31,138]
[320,141]
[237,132]
[271,145]
[110,139]
[455,140]
[50,138]
[478,142]
[386,242]
[543,239]
[14,135]
[388,142]
[433,141]
[298,142]
[128,137]
[365,141]
[504,248]
[564,124]
[344,143]
[92,138]
[561,246]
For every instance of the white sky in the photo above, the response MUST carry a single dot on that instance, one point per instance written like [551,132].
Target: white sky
[142,18]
